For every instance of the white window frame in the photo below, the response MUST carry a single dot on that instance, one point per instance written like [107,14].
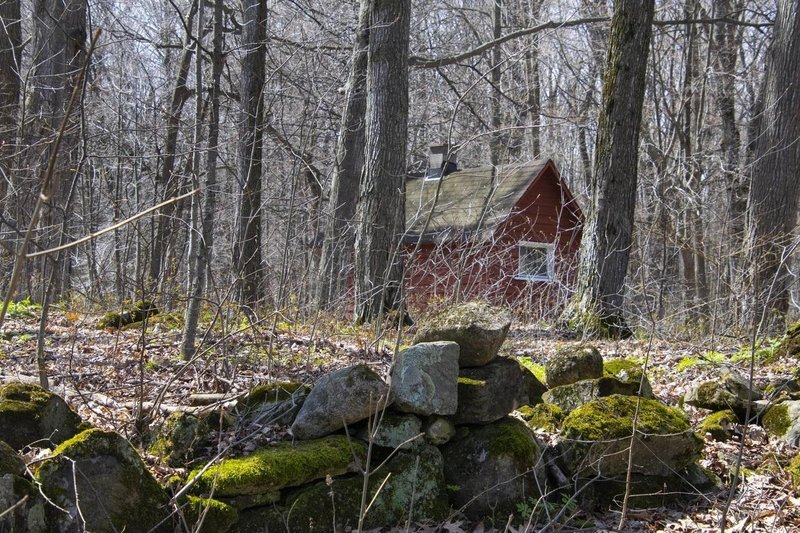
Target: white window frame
[549,249]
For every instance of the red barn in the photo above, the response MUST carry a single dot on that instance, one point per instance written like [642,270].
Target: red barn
[508,234]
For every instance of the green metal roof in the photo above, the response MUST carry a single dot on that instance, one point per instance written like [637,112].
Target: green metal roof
[469,201]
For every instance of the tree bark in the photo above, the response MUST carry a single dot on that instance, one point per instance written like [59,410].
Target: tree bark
[248,261]
[380,211]
[10,40]
[339,231]
[774,192]
[607,236]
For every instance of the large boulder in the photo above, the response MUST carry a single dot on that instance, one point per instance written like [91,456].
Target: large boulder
[206,515]
[424,378]
[783,420]
[492,468]
[98,477]
[478,328]
[571,396]
[18,493]
[597,435]
[286,465]
[339,399]
[630,374]
[573,363]
[31,415]
[411,485]
[10,461]
[728,390]
[490,392]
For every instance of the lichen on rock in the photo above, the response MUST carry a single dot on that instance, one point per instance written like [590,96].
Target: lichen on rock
[718,425]
[180,439]
[573,363]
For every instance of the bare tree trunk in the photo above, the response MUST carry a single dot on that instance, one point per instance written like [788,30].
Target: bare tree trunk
[605,246]
[168,184]
[59,51]
[10,40]
[339,232]
[773,199]
[380,213]
[496,144]
[248,262]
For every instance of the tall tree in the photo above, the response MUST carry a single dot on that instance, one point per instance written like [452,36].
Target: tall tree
[380,210]
[774,191]
[339,231]
[10,40]
[59,52]
[248,261]
[607,236]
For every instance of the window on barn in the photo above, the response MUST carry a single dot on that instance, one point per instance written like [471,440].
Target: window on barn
[536,261]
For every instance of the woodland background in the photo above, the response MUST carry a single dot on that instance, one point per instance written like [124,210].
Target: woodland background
[242,115]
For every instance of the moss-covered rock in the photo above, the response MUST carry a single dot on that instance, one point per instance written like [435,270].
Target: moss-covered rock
[783,420]
[206,515]
[173,321]
[412,481]
[135,313]
[629,373]
[270,393]
[546,416]
[790,344]
[477,327]
[573,363]
[283,465]
[180,439]
[596,437]
[728,390]
[341,398]
[29,414]
[424,378]
[718,426]
[114,489]
[570,397]
[493,467]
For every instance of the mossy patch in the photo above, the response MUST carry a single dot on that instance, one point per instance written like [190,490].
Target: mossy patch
[546,416]
[718,425]
[214,515]
[776,420]
[271,393]
[173,321]
[28,414]
[284,465]
[794,470]
[180,439]
[612,417]
[536,369]
[135,313]
[469,382]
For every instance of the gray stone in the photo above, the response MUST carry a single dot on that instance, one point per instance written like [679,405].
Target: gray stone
[394,431]
[29,516]
[571,364]
[341,398]
[478,328]
[424,378]
[730,390]
[115,491]
[438,430]
[490,392]
[492,468]
[31,415]
[181,439]
[10,461]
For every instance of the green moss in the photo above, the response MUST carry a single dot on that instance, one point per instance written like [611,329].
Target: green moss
[136,313]
[169,320]
[794,470]
[716,425]
[545,416]
[513,439]
[470,382]
[616,367]
[281,466]
[217,517]
[536,369]
[272,392]
[180,439]
[611,417]
[776,420]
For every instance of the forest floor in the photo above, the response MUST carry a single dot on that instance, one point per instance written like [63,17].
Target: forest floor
[108,375]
